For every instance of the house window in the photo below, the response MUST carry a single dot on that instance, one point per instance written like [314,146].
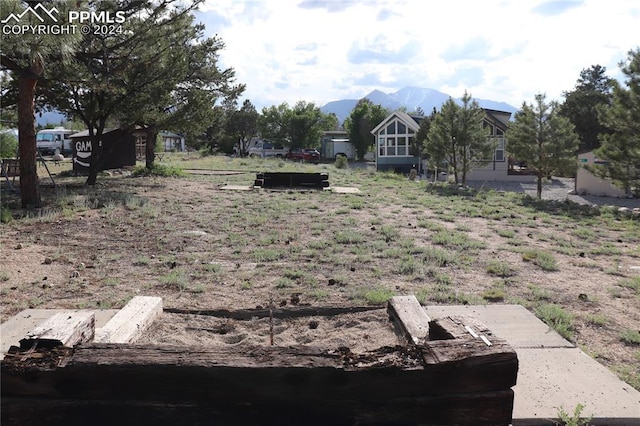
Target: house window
[391,129]
[391,146]
[499,153]
[402,143]
[487,125]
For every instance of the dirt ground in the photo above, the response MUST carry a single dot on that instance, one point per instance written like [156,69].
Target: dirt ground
[200,247]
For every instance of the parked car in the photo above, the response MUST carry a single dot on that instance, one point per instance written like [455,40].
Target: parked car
[266,149]
[309,155]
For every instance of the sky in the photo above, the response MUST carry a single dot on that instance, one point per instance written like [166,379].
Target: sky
[503,50]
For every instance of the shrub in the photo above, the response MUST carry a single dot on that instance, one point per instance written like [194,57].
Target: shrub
[543,260]
[341,162]
[159,170]
[630,337]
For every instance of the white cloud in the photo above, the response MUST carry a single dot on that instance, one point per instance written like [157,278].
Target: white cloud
[505,50]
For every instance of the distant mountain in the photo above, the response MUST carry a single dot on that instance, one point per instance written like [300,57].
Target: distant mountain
[411,98]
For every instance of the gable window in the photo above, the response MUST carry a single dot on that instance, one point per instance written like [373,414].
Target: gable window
[394,139]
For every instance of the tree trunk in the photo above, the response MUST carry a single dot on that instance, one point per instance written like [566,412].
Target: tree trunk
[97,153]
[539,189]
[29,184]
[150,146]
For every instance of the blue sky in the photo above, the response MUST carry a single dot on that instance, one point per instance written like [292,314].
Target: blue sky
[505,50]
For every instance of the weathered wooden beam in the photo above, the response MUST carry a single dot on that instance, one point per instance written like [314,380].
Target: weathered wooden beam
[291,312]
[492,408]
[62,329]
[129,323]
[409,319]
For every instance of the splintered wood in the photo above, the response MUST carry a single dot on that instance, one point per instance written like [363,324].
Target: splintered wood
[62,329]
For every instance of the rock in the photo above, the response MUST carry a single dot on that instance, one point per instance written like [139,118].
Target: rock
[18,246]
[48,261]
[313,324]
[75,274]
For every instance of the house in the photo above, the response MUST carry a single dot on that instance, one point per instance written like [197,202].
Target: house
[396,134]
[119,147]
[589,184]
[172,142]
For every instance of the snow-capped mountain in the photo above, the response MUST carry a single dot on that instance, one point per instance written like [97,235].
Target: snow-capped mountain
[411,98]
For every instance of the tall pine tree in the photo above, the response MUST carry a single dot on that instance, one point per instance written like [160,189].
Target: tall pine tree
[543,139]
[621,148]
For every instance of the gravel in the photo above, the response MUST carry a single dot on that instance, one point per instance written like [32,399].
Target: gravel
[556,189]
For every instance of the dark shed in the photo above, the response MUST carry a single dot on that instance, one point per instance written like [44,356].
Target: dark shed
[119,150]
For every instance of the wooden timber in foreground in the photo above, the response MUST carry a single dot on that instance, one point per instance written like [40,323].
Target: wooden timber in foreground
[457,379]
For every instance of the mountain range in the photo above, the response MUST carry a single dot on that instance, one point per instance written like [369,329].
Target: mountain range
[410,98]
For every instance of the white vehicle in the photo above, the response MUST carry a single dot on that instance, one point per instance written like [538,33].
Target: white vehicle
[50,141]
[266,149]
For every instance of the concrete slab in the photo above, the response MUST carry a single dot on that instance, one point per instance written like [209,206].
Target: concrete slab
[514,323]
[16,327]
[343,189]
[566,377]
[552,372]
[237,188]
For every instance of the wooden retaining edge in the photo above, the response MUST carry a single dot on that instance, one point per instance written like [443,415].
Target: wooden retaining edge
[409,319]
[129,323]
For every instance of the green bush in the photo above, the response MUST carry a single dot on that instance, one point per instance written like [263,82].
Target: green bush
[159,170]
[8,145]
[341,162]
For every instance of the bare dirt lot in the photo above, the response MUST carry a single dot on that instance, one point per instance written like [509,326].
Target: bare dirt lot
[199,246]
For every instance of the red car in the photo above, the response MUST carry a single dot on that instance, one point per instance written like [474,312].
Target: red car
[308,155]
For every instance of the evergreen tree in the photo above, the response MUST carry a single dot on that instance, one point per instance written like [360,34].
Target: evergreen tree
[592,91]
[621,148]
[457,137]
[27,56]
[543,139]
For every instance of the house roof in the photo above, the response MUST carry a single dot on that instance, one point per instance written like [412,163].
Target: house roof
[412,122]
[85,133]
[170,134]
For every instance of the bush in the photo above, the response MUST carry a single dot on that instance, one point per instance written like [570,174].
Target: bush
[341,162]
[8,145]
[557,318]
[159,170]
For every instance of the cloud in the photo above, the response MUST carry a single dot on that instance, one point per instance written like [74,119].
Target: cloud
[476,48]
[307,47]
[555,7]
[329,5]
[382,50]
[386,14]
[467,76]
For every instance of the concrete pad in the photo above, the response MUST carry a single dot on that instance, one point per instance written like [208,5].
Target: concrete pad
[565,377]
[17,327]
[236,188]
[513,323]
[343,189]
[552,372]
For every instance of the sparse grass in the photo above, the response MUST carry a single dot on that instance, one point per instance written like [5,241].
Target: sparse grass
[175,280]
[377,296]
[348,236]
[500,269]
[543,260]
[630,337]
[556,317]
[631,283]
[506,233]
[599,320]
[496,293]
[457,241]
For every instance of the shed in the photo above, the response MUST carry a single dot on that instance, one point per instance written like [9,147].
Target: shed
[119,150]
[589,184]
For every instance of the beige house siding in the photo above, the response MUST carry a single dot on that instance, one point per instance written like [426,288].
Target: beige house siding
[589,184]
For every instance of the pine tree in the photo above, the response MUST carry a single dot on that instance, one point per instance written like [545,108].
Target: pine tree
[621,148]
[543,139]
[457,137]
[27,56]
